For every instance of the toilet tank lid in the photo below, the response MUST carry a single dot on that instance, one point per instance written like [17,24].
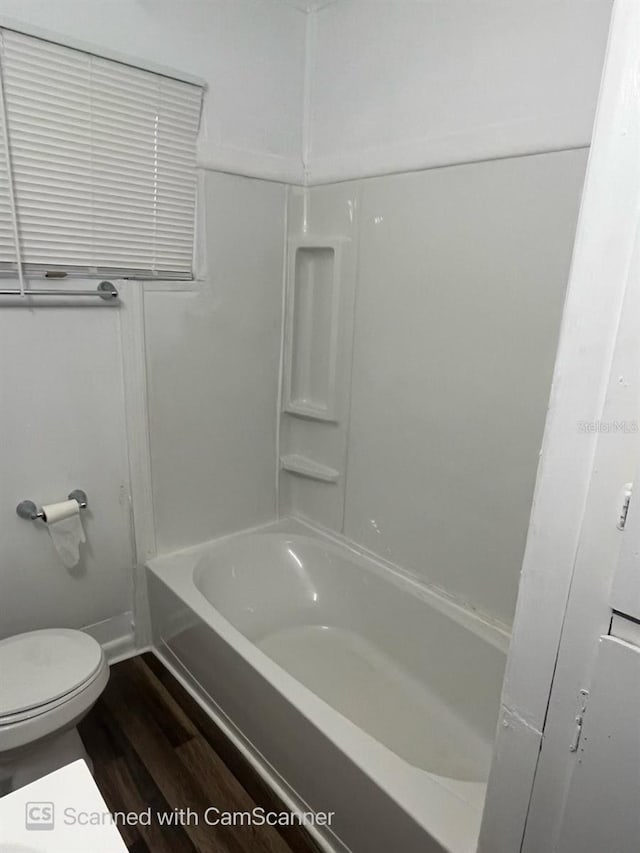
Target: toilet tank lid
[42,666]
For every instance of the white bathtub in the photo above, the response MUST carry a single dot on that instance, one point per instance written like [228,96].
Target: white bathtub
[365,693]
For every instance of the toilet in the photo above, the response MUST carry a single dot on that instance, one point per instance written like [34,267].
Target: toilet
[49,680]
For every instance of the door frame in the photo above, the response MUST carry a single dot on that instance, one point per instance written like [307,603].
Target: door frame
[572,543]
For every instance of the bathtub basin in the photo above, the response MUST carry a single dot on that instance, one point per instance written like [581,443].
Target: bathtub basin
[365,693]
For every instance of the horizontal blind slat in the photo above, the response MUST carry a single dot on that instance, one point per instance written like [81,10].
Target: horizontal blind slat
[103,160]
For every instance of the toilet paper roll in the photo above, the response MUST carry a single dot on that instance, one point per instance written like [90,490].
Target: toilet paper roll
[64,509]
[66,531]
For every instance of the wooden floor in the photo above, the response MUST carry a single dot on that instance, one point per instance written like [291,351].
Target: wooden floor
[153,746]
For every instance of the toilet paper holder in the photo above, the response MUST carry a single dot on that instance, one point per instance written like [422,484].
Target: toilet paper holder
[29,511]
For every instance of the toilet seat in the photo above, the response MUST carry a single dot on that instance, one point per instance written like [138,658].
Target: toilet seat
[42,667]
[30,713]
[48,679]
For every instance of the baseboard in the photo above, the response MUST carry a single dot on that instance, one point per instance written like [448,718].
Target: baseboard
[116,635]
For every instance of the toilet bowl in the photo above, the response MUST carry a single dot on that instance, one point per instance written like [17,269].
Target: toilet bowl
[49,680]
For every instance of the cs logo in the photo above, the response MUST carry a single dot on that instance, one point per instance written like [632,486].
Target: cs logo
[39,816]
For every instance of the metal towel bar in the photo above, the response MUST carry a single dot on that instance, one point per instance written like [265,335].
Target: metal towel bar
[105,290]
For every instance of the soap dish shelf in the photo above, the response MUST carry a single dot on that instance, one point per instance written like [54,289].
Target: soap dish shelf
[302,466]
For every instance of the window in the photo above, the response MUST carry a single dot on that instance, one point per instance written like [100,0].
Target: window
[97,164]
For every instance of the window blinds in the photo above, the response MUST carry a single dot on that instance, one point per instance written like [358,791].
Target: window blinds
[102,156]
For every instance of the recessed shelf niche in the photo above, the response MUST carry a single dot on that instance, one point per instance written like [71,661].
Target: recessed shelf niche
[311,330]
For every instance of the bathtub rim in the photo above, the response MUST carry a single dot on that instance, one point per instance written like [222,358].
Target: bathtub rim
[443,812]
[493,631]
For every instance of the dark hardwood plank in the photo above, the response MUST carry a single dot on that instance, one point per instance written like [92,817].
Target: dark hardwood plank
[179,786]
[197,754]
[102,743]
[127,785]
[135,680]
[297,838]
[154,747]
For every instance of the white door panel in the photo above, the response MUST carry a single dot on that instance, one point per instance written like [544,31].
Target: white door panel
[625,593]
[602,812]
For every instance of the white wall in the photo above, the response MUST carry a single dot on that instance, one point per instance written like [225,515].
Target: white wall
[213,358]
[461,271]
[212,352]
[461,281]
[250,53]
[360,87]
[408,85]
[213,440]
[62,427]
